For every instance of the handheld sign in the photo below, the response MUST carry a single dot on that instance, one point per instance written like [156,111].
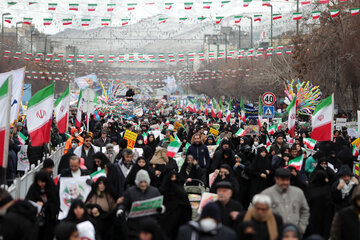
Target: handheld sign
[214,131]
[131,139]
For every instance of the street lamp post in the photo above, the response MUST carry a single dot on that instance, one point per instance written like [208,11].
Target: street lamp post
[271,26]
[225,34]
[251,30]
[17,33]
[2,25]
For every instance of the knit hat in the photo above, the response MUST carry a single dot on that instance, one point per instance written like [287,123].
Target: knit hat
[211,210]
[109,145]
[344,170]
[141,176]
[224,184]
[73,130]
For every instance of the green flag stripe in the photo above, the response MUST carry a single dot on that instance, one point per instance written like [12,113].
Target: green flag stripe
[326,102]
[62,96]
[4,88]
[41,95]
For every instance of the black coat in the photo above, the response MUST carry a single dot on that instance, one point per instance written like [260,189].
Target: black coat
[67,172]
[195,173]
[191,229]
[130,179]
[19,223]
[225,211]
[259,166]
[101,143]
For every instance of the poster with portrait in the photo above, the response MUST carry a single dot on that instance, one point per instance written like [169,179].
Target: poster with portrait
[23,163]
[137,152]
[72,188]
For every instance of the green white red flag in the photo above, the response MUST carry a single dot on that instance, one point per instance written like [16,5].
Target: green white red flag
[322,120]
[355,151]
[173,147]
[5,99]
[310,143]
[79,110]
[95,175]
[297,162]
[242,110]
[39,115]
[354,11]
[61,111]
[291,109]
[240,132]
[21,138]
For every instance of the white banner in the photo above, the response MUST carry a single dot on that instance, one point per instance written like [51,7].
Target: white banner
[17,90]
[72,188]
[23,163]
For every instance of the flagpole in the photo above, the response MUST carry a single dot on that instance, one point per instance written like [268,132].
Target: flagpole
[332,115]
[7,129]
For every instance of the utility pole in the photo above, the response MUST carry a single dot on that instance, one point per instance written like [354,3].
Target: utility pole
[2,25]
[225,47]
[16,33]
[251,29]
[271,28]
[239,38]
[297,22]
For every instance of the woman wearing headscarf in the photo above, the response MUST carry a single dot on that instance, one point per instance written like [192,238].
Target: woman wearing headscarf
[178,209]
[141,163]
[152,142]
[260,171]
[191,170]
[290,231]
[100,204]
[210,140]
[44,194]
[147,150]
[100,160]
[320,203]
[116,186]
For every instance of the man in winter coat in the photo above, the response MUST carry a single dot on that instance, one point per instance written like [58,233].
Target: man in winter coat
[278,144]
[288,201]
[17,218]
[342,189]
[346,223]
[87,151]
[142,191]
[103,140]
[208,227]
[200,152]
[74,170]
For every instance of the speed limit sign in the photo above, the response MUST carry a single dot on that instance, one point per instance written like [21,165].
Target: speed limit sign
[268,99]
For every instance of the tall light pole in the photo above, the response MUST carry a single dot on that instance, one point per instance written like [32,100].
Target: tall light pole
[17,34]
[2,25]
[297,22]
[271,26]
[251,30]
[225,34]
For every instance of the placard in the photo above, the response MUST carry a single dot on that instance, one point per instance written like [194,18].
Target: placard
[146,207]
[205,199]
[23,163]
[251,129]
[214,131]
[131,139]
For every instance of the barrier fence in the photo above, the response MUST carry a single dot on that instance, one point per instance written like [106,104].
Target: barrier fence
[22,184]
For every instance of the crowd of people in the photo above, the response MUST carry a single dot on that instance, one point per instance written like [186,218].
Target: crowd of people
[259,194]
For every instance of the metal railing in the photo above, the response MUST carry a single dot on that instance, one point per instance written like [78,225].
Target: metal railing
[22,184]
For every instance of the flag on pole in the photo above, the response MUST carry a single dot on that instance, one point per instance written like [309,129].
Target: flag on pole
[186,147]
[322,120]
[39,115]
[145,137]
[110,7]
[247,3]
[268,143]
[188,5]
[228,116]
[242,110]
[355,151]
[238,19]
[354,11]
[257,18]
[297,16]
[95,175]
[276,16]
[316,14]
[291,109]
[297,162]
[79,110]
[310,143]
[334,13]
[52,6]
[260,114]
[61,111]
[173,147]
[21,138]
[206,5]
[5,99]
[273,129]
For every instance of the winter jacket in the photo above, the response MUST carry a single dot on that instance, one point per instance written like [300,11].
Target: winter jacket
[101,143]
[89,160]
[201,153]
[291,205]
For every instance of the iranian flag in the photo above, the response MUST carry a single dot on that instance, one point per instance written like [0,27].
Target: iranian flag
[79,110]
[322,119]
[5,99]
[354,11]
[188,5]
[228,116]
[260,114]
[110,7]
[168,6]
[310,143]
[173,147]
[238,19]
[105,21]
[131,6]
[355,151]
[334,12]
[125,21]
[85,22]
[224,2]
[206,5]
[39,115]
[268,143]
[162,20]
[266,3]
[273,129]
[187,147]
[218,20]
[95,175]
[202,18]
[297,16]
[276,16]
[291,109]
[73,6]
[47,21]
[145,137]
[27,21]
[67,21]
[21,138]
[316,14]
[242,110]
[52,6]
[61,111]
[257,18]
[8,19]
[92,7]
[247,2]
[297,162]
[240,132]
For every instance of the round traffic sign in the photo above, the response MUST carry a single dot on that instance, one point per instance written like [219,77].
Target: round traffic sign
[268,98]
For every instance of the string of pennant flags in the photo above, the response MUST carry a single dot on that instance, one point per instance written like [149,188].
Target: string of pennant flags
[87,22]
[143,58]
